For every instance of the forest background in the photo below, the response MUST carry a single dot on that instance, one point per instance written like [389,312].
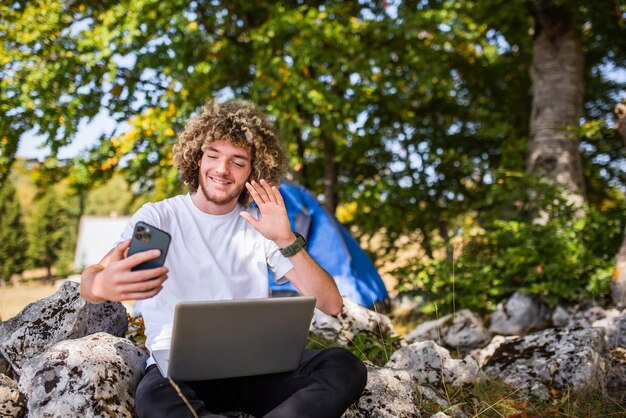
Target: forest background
[477,134]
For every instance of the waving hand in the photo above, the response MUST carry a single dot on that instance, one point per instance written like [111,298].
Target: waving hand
[274,223]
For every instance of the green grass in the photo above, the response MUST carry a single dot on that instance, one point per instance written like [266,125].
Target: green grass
[366,346]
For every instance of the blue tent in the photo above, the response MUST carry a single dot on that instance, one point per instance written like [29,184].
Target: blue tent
[332,246]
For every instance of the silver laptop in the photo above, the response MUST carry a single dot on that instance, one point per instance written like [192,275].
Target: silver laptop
[233,338]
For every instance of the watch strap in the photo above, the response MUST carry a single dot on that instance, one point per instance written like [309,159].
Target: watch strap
[293,249]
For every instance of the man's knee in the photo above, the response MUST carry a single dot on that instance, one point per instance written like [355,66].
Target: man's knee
[146,394]
[154,395]
[348,366]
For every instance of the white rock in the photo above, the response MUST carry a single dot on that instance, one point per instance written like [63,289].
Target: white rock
[430,364]
[482,355]
[12,402]
[61,316]
[518,315]
[614,326]
[561,316]
[552,358]
[389,394]
[92,376]
[584,318]
[463,331]
[352,320]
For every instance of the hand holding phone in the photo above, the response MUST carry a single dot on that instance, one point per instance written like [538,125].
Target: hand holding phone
[147,237]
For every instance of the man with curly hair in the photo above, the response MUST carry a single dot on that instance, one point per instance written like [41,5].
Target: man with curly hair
[229,155]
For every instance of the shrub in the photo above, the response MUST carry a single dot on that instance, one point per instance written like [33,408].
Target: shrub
[527,238]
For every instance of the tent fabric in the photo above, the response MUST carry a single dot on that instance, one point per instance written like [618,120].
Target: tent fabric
[332,246]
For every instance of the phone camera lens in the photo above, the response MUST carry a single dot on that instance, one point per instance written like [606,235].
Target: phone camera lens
[140,229]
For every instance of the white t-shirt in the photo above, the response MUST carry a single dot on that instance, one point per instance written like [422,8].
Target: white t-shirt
[211,257]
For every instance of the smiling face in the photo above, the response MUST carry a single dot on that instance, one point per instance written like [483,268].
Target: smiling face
[235,122]
[224,170]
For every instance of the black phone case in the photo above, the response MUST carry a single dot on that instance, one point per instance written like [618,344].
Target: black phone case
[156,239]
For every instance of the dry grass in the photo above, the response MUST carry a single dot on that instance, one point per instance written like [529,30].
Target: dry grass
[15,298]
[32,287]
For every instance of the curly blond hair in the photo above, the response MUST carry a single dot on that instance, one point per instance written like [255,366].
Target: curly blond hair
[241,124]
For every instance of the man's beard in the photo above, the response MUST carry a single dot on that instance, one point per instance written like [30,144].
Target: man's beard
[223,199]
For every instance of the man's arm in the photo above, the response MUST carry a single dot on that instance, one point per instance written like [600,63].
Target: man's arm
[311,279]
[307,276]
[112,279]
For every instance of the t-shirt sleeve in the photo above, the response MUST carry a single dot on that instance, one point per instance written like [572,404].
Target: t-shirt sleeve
[277,263]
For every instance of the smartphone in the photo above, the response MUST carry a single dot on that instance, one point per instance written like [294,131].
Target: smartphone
[147,237]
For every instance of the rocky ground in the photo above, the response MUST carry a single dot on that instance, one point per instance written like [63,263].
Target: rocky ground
[64,357]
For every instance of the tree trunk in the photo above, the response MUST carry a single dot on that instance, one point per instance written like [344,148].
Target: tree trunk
[557,75]
[618,284]
[330,174]
[620,126]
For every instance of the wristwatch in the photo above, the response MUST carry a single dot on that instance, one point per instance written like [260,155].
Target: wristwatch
[293,249]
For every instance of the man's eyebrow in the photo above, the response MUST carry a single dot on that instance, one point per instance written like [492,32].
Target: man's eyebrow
[239,156]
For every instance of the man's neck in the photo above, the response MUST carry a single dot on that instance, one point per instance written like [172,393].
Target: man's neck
[212,208]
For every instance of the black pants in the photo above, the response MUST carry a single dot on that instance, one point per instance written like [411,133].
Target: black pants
[325,384]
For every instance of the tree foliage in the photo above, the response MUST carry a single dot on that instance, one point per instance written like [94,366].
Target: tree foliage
[366,98]
[13,237]
[402,114]
[48,232]
[565,257]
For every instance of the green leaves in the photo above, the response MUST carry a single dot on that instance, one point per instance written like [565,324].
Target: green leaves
[403,116]
[13,237]
[49,231]
[564,258]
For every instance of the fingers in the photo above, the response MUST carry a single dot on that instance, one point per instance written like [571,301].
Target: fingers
[136,285]
[144,275]
[261,193]
[142,295]
[251,220]
[139,258]
[115,280]
[278,196]
[143,289]
[119,252]
[267,190]
[255,195]
[117,284]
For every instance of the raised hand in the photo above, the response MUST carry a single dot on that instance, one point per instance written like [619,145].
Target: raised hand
[307,276]
[274,223]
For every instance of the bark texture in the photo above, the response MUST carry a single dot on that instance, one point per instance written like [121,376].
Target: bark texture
[557,75]
[620,126]
[618,285]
